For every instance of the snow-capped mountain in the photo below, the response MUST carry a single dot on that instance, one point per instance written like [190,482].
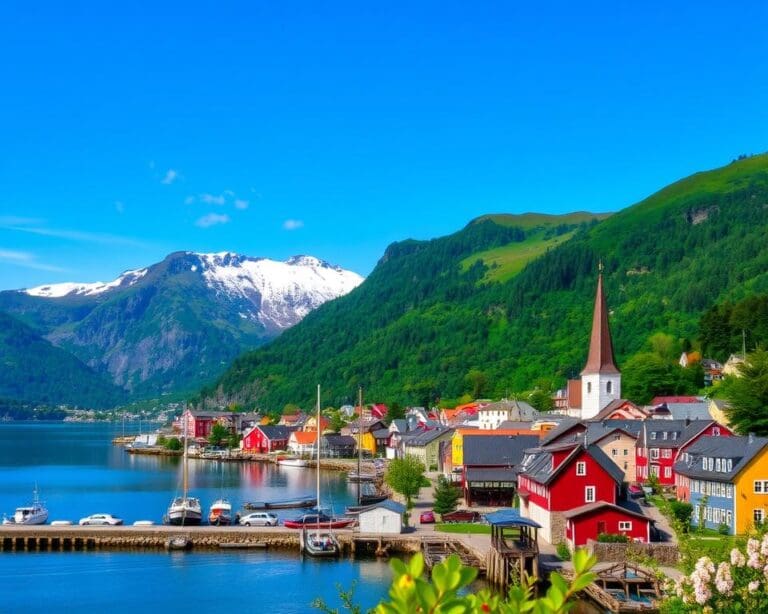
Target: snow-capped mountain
[177,324]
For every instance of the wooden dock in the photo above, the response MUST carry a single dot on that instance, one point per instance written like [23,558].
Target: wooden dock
[623,588]
[436,549]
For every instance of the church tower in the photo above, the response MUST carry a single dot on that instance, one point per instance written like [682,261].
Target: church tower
[600,378]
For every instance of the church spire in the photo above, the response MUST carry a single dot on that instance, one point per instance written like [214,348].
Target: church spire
[600,359]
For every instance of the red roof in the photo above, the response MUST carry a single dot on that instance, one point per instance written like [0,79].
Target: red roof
[660,400]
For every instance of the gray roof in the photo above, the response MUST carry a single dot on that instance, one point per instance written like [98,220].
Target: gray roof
[340,440]
[519,410]
[690,411]
[392,506]
[380,433]
[401,424]
[495,474]
[423,437]
[514,424]
[274,431]
[678,432]
[566,424]
[596,431]
[540,468]
[598,505]
[490,450]
[740,450]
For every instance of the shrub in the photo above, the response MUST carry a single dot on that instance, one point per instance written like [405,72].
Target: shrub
[563,552]
[723,529]
[612,538]
[682,512]
[173,444]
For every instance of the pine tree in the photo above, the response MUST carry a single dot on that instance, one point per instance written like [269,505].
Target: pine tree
[446,496]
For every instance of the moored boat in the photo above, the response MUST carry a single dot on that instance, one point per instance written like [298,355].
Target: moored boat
[184,510]
[292,462]
[320,543]
[36,513]
[220,513]
[318,521]
[282,504]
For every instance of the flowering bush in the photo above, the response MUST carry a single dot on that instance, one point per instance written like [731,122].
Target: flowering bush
[736,585]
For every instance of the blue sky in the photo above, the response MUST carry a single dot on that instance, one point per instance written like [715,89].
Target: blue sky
[333,129]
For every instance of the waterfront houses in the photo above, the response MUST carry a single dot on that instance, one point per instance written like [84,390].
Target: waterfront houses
[556,479]
[726,481]
[591,520]
[660,441]
[362,430]
[302,442]
[425,444]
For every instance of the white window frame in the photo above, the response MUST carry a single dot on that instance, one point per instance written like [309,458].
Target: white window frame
[625,525]
[581,468]
[758,487]
[654,453]
[758,512]
[667,472]
[587,491]
[666,453]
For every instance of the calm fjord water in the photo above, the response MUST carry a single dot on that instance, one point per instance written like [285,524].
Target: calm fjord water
[79,472]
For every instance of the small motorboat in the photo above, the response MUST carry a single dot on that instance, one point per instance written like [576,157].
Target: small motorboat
[319,543]
[292,462]
[283,504]
[354,476]
[36,513]
[220,513]
[318,521]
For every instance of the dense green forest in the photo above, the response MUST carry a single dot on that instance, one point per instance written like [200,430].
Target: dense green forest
[11,409]
[45,374]
[431,322]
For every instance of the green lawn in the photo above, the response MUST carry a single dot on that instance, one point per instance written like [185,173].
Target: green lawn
[463,527]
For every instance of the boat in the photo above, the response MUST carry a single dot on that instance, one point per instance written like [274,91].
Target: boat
[282,504]
[292,462]
[184,510]
[318,520]
[220,513]
[36,513]
[319,543]
[178,542]
[357,477]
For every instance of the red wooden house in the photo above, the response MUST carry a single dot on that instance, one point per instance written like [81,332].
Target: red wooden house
[661,441]
[559,478]
[590,520]
[264,439]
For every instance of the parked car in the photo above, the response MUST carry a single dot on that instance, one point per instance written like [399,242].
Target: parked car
[635,491]
[427,517]
[100,519]
[461,516]
[259,519]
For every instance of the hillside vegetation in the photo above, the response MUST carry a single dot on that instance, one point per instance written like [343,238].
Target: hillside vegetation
[437,319]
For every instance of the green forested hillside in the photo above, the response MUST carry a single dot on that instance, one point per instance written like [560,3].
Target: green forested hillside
[433,321]
[33,370]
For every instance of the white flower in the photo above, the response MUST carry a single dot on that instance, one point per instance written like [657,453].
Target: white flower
[737,558]
[753,586]
[723,580]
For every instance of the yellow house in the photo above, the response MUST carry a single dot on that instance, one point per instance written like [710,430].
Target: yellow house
[365,431]
[751,486]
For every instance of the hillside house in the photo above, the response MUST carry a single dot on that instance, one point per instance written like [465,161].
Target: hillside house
[363,430]
[265,439]
[492,415]
[424,444]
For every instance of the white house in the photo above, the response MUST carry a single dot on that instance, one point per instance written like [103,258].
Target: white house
[384,517]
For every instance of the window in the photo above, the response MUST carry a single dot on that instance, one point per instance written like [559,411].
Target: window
[626,452]
[625,465]
[717,465]
[667,472]
[589,387]
[715,431]
[613,451]
[729,491]
[581,468]
[653,435]
[730,464]
[758,487]
[667,453]
[758,516]
[674,435]
[654,453]
[609,387]
[711,463]
[625,525]
[728,517]
[664,435]
[589,494]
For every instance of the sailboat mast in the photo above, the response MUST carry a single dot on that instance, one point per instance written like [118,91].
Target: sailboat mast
[318,447]
[359,441]
[184,468]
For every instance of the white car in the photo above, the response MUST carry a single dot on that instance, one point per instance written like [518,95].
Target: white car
[259,519]
[100,519]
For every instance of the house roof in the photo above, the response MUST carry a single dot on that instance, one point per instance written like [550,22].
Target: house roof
[539,468]
[600,505]
[739,450]
[518,410]
[365,425]
[399,424]
[674,399]
[600,358]
[273,432]
[340,440]
[678,432]
[304,437]
[617,405]
[392,506]
[491,474]
[510,518]
[423,437]
[514,425]
[566,424]
[698,410]
[380,433]
[496,449]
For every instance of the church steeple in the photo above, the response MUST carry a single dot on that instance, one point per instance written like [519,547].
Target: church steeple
[600,378]
[600,358]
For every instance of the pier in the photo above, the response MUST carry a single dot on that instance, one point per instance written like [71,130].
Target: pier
[514,551]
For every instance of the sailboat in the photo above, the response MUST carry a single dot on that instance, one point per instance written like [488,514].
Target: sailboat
[319,541]
[220,512]
[184,510]
[29,514]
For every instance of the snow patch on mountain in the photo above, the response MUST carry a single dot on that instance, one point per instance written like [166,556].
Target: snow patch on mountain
[281,293]
[70,288]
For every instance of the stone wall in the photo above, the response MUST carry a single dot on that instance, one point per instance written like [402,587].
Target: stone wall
[663,553]
[558,528]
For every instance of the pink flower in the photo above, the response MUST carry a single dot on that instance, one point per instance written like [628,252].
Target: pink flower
[737,558]
[723,580]
[753,586]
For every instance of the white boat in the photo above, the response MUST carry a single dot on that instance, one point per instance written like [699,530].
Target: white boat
[36,513]
[292,462]
[220,513]
[319,541]
[184,510]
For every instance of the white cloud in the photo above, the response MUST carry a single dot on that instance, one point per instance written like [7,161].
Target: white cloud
[189,200]
[241,203]
[119,206]
[212,219]
[170,176]
[27,260]
[292,224]
[75,235]
[211,199]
